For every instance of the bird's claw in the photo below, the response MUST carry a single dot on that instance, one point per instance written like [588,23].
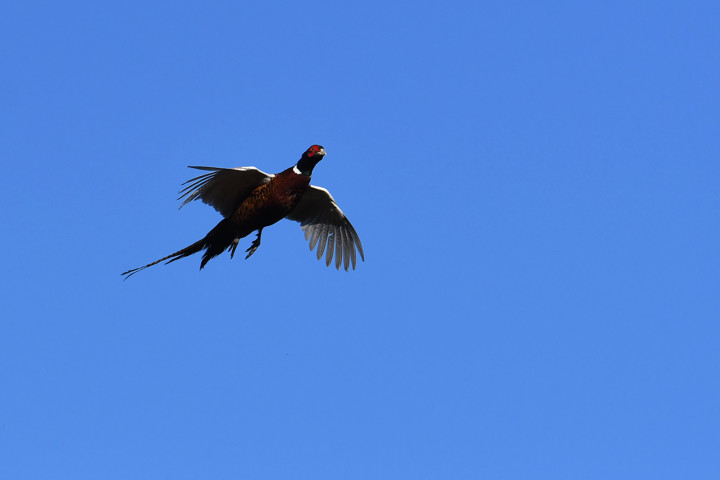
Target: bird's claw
[233,246]
[252,249]
[254,245]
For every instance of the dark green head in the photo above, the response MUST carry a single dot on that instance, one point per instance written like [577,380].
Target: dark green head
[309,159]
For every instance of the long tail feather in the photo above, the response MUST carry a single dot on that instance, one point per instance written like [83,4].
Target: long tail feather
[185,252]
[223,236]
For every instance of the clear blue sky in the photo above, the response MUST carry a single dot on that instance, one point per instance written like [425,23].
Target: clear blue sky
[536,185]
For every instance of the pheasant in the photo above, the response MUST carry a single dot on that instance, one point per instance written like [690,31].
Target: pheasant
[250,199]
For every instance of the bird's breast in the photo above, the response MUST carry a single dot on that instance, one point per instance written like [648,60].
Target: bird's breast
[271,202]
[287,187]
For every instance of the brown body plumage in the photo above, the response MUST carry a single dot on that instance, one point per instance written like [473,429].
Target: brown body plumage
[269,203]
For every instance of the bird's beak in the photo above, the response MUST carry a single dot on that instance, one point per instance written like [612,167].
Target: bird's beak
[321,152]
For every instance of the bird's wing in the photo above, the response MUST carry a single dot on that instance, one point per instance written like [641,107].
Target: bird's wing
[223,188]
[326,226]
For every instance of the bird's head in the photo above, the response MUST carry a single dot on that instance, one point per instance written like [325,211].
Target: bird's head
[309,159]
[315,150]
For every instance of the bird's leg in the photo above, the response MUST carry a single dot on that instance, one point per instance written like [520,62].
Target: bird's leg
[254,245]
[233,246]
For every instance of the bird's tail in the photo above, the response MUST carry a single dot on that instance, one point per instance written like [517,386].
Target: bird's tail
[215,242]
[194,248]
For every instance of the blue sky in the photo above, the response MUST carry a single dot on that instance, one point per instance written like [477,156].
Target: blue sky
[535,186]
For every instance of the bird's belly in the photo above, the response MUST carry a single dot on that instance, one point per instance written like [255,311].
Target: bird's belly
[271,214]
[251,216]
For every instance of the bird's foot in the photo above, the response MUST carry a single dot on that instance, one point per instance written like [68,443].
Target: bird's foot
[254,245]
[233,246]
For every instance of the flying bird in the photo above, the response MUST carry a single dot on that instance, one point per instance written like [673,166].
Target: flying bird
[250,200]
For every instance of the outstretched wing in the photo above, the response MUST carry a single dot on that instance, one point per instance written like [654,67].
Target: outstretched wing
[223,188]
[326,226]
